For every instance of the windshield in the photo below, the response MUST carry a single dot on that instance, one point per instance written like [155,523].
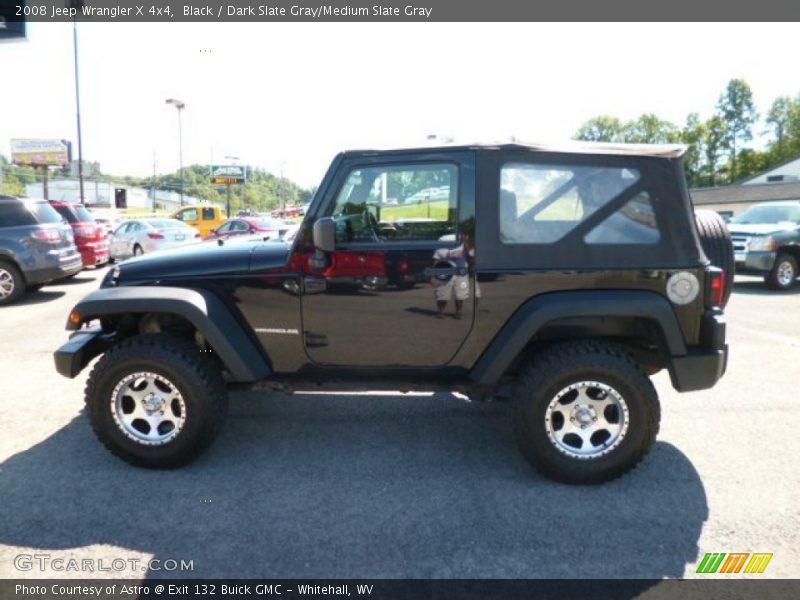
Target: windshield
[67,213]
[44,213]
[167,224]
[84,216]
[769,214]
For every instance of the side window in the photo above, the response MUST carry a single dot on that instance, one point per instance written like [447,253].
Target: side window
[397,203]
[634,223]
[240,226]
[190,214]
[225,227]
[208,214]
[14,214]
[540,204]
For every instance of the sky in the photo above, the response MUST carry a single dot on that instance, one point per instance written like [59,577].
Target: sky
[291,95]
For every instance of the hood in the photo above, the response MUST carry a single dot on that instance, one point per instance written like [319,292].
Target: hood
[760,228]
[203,260]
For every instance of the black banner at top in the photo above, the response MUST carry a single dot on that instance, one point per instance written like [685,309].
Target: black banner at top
[225,11]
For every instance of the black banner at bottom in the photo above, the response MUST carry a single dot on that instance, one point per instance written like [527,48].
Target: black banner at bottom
[400,589]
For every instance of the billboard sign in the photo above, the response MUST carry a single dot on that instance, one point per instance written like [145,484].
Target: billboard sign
[40,153]
[228,174]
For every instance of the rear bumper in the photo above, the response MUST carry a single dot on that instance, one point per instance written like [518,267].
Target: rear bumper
[67,266]
[81,348]
[698,371]
[94,253]
[703,366]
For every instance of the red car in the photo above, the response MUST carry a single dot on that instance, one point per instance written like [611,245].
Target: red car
[91,238]
[250,226]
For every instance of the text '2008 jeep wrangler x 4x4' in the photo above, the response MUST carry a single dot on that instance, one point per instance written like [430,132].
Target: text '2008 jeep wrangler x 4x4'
[559,277]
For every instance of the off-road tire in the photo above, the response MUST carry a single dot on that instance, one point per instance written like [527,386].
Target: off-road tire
[17,279]
[195,374]
[717,246]
[565,363]
[773,280]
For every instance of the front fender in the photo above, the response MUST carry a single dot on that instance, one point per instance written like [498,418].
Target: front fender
[227,336]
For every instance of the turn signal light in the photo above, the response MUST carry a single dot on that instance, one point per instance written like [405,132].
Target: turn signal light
[75,318]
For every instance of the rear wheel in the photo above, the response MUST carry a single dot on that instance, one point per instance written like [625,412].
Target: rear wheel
[12,282]
[783,273]
[717,246]
[584,412]
[156,401]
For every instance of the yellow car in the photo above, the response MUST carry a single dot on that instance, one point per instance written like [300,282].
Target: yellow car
[203,217]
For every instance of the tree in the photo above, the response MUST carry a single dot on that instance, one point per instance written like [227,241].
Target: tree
[649,129]
[601,129]
[715,136]
[736,107]
[693,136]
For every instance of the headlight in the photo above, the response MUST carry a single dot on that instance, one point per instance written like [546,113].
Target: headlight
[764,243]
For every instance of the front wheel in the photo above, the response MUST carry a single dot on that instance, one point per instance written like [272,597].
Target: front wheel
[584,412]
[783,272]
[156,401]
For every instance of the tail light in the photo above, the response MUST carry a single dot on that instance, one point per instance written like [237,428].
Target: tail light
[48,236]
[155,236]
[717,288]
[402,266]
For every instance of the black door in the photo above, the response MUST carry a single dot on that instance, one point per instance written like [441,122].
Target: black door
[398,291]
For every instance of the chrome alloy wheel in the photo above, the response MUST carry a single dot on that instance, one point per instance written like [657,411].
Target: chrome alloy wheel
[586,420]
[148,408]
[7,283]
[785,274]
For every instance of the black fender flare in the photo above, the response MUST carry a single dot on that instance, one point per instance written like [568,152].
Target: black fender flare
[230,340]
[537,312]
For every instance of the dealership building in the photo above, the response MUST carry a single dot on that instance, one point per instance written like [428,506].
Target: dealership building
[103,194]
[779,183]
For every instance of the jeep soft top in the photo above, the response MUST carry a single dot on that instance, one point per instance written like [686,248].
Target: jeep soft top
[559,278]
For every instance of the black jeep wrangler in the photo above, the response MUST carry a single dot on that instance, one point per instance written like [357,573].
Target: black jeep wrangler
[560,278]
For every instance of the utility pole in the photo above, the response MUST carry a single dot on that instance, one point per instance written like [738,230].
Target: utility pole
[180,106]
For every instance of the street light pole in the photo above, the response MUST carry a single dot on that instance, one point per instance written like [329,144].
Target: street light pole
[77,4]
[180,106]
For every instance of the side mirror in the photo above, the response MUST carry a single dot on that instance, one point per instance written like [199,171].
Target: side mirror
[325,234]
[213,231]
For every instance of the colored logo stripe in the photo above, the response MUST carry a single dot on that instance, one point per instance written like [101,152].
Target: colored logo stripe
[713,562]
[734,562]
[758,563]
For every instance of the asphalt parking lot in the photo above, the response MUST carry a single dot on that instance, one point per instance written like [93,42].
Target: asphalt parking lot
[392,486]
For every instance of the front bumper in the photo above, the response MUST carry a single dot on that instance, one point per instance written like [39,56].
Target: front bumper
[82,347]
[754,262]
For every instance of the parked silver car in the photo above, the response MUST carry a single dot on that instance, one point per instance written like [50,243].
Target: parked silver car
[139,236]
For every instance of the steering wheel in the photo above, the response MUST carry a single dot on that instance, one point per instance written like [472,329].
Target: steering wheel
[370,225]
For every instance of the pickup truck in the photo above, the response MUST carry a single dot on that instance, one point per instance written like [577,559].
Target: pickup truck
[766,241]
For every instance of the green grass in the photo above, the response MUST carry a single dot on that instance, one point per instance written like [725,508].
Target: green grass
[437,210]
